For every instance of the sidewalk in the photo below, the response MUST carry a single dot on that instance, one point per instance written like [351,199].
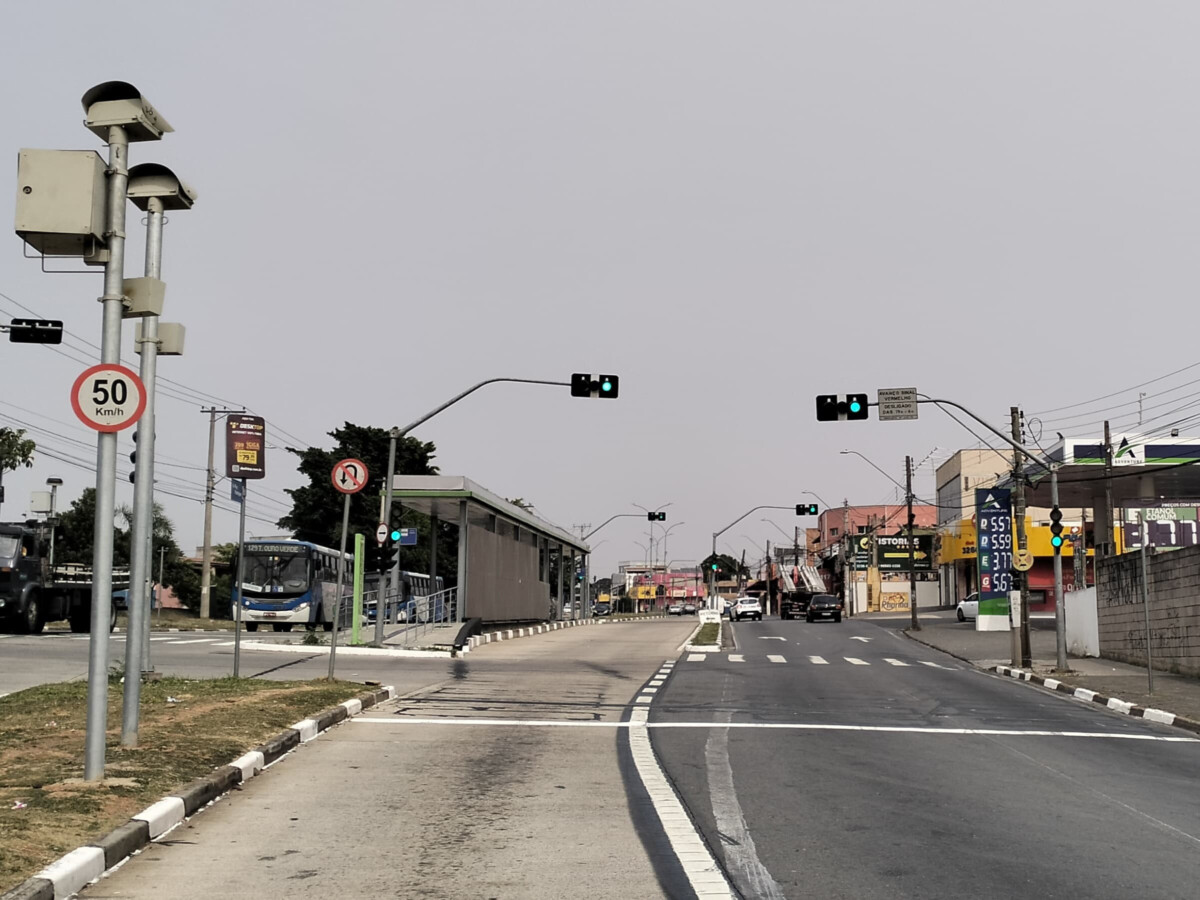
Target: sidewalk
[1176,694]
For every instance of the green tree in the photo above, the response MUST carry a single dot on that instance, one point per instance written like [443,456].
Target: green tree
[15,451]
[317,506]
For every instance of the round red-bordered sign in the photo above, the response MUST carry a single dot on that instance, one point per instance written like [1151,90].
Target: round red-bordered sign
[108,397]
[350,476]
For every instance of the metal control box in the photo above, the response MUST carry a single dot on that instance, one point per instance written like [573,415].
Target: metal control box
[61,208]
[170,338]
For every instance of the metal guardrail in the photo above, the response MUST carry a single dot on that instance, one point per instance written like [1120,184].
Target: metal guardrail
[420,615]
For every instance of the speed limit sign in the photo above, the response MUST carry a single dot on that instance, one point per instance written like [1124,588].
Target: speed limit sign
[108,397]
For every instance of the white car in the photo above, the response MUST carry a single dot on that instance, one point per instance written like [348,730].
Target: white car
[968,608]
[746,608]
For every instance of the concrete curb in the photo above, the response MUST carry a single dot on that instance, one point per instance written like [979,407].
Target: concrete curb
[689,647]
[343,650]
[509,634]
[1089,696]
[71,873]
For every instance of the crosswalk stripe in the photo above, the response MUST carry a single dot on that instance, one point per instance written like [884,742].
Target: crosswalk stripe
[776,658]
[695,657]
[894,662]
[855,661]
[818,660]
[934,665]
[736,657]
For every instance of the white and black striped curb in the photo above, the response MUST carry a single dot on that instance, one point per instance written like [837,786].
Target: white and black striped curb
[71,873]
[715,647]
[1130,709]
[508,634]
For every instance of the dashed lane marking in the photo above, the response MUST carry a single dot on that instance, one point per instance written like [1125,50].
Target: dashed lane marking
[818,660]
[776,658]
[855,661]
[894,662]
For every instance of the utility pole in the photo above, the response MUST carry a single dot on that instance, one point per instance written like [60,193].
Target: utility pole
[210,484]
[912,560]
[1104,547]
[847,603]
[1022,655]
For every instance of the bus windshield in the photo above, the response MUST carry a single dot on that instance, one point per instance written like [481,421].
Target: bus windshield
[270,572]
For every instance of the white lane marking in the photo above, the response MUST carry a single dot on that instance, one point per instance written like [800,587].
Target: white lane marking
[771,637]
[697,862]
[643,699]
[224,644]
[783,726]
[776,658]
[865,640]
[741,858]
[736,657]
[200,641]
[696,657]
[157,639]
[649,690]
[656,682]
[855,661]
[818,660]
[932,665]
[894,662]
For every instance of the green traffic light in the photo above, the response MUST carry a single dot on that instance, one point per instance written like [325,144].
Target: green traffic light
[395,534]
[855,406]
[1056,541]
[606,386]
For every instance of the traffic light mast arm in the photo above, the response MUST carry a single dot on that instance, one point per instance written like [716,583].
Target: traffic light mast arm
[717,534]
[609,519]
[1020,448]
[401,432]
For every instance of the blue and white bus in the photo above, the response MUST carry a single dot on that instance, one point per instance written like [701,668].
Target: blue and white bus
[286,583]
[413,604]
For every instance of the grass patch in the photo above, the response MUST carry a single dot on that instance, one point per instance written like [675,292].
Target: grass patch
[188,727]
[707,634]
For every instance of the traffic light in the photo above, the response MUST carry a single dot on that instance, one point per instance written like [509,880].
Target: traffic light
[1056,529]
[583,385]
[715,567]
[838,408]
[35,331]
[656,516]
[806,509]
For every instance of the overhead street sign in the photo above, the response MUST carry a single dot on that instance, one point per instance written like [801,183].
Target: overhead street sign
[896,404]
[350,476]
[108,397]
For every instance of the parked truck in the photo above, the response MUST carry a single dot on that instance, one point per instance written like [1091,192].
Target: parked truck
[34,591]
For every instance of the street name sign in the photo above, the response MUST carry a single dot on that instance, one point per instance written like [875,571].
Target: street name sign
[108,397]
[350,476]
[897,404]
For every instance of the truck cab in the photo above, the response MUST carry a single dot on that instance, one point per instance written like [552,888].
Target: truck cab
[21,579]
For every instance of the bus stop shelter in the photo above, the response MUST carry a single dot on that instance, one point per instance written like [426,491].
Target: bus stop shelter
[506,554]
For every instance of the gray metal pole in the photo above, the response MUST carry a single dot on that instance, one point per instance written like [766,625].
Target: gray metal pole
[137,635]
[237,593]
[1060,612]
[1146,615]
[464,560]
[106,462]
[162,553]
[712,578]
[341,572]
[561,563]
[206,567]
[147,665]
[912,564]
[1020,632]
[387,520]
[394,589]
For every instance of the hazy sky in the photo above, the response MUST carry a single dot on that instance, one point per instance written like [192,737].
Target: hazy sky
[733,206]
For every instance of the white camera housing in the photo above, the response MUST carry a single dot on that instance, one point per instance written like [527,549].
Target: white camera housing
[149,180]
[120,103]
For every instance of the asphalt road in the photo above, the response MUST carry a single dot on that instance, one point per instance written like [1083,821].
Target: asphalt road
[28,660]
[840,775]
[441,795]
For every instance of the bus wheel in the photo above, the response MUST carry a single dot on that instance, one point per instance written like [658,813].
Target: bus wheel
[252,626]
[328,626]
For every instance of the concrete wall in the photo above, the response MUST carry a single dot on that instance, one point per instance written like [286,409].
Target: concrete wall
[1174,586]
[1083,624]
[502,577]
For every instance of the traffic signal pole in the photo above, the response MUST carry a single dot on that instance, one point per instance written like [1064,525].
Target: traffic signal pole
[1060,612]
[1022,655]
[912,563]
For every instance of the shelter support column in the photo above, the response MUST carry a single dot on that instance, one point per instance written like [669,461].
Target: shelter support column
[463,557]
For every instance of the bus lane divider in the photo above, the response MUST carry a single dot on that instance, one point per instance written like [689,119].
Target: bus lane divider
[71,873]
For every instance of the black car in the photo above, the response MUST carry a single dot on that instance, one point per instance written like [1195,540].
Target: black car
[823,606]
[603,608]
[793,606]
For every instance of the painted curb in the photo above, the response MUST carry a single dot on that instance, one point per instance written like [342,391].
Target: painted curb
[342,650]
[508,634]
[72,872]
[1114,703]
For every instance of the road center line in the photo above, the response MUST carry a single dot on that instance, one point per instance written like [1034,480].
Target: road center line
[778,726]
